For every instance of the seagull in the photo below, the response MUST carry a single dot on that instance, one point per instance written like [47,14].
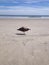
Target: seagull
[23,29]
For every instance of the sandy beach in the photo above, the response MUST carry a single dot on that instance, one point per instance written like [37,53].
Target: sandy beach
[29,49]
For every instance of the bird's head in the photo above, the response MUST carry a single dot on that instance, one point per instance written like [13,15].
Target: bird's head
[29,29]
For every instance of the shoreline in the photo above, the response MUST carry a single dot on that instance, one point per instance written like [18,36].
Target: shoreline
[24,18]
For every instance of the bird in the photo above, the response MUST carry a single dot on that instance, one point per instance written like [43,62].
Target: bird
[23,29]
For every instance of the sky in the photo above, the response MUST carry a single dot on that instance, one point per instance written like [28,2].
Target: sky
[24,7]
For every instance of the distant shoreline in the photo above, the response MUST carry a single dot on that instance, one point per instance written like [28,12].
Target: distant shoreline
[24,16]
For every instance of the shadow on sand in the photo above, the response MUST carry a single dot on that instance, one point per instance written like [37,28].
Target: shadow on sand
[32,35]
[20,34]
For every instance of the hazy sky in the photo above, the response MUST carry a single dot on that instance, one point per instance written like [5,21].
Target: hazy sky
[24,7]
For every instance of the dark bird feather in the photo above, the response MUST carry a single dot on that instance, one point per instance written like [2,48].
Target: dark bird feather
[23,29]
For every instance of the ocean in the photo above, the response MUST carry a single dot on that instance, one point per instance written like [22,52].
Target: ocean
[25,16]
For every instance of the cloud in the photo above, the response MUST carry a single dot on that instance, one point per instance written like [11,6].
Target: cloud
[24,7]
[22,10]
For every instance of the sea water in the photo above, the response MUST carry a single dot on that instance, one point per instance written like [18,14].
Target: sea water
[25,16]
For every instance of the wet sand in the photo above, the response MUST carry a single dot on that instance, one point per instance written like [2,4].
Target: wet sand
[29,49]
